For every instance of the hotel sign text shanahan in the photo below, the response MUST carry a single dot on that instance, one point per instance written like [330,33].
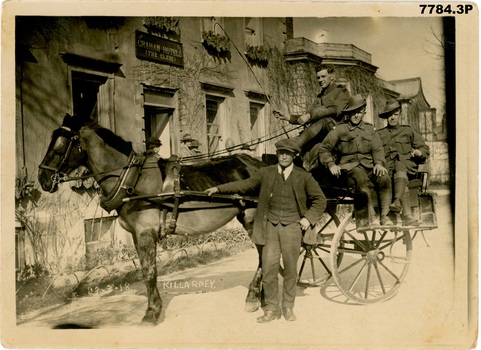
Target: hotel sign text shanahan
[152,48]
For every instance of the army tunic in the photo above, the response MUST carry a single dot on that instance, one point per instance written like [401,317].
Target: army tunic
[359,149]
[359,144]
[398,142]
[329,103]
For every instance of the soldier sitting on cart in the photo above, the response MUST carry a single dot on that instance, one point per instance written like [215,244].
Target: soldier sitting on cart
[321,117]
[404,149]
[361,154]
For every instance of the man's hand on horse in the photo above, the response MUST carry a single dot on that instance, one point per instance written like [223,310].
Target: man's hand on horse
[335,170]
[304,224]
[379,170]
[211,191]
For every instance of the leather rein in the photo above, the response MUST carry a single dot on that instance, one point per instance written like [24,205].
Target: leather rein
[124,188]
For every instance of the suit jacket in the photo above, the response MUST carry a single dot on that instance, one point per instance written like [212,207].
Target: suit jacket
[310,199]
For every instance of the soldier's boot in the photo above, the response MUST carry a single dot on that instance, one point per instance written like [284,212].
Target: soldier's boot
[373,220]
[385,197]
[400,183]
[406,216]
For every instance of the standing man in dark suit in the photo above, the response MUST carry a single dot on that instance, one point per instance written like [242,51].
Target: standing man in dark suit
[290,201]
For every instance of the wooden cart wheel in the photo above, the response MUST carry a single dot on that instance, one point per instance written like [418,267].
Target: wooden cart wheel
[375,261]
[314,274]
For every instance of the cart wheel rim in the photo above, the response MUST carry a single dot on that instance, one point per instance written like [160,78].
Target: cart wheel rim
[375,262]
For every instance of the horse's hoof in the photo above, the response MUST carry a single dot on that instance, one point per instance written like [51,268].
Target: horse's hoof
[148,321]
[252,306]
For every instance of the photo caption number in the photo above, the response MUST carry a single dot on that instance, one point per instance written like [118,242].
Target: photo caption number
[439,9]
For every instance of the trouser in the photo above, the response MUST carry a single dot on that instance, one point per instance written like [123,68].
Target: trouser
[400,171]
[362,179]
[314,133]
[285,241]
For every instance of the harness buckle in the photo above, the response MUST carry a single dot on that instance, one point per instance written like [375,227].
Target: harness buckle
[56,178]
[129,190]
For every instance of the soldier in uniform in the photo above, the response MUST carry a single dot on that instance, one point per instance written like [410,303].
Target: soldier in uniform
[290,200]
[404,149]
[361,155]
[323,115]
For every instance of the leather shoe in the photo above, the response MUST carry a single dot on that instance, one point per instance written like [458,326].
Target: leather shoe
[289,314]
[269,316]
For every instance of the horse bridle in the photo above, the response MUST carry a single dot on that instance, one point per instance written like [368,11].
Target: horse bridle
[59,176]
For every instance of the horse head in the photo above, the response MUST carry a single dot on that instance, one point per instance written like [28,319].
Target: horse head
[64,153]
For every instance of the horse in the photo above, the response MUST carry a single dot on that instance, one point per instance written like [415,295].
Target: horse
[122,173]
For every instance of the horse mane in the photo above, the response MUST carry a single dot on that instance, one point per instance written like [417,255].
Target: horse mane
[76,122]
[113,140]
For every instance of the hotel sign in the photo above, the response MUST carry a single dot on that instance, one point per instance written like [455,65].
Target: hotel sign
[153,48]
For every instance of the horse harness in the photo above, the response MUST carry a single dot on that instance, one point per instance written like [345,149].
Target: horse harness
[124,188]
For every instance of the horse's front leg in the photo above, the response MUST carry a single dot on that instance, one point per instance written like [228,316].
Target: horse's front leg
[255,294]
[146,248]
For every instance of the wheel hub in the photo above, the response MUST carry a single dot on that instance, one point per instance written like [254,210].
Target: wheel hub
[375,255]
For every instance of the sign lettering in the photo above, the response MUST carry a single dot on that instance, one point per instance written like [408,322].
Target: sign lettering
[153,48]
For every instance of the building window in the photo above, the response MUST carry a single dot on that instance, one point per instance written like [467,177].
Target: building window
[257,126]
[85,94]
[92,88]
[99,233]
[213,121]
[253,31]
[216,99]
[158,125]
[159,113]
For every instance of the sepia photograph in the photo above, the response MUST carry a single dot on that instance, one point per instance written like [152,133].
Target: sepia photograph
[239,174]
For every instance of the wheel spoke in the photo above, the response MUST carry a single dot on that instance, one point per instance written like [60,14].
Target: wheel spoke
[390,272]
[380,278]
[391,242]
[366,238]
[381,239]
[313,270]
[352,265]
[376,262]
[323,263]
[325,248]
[367,281]
[357,241]
[356,279]
[326,224]
[373,240]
